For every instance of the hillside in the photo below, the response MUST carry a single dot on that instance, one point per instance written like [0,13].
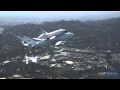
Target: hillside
[94,49]
[99,35]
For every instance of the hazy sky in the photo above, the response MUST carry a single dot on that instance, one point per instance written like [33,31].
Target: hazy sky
[66,15]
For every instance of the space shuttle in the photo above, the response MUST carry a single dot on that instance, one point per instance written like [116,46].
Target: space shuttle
[51,35]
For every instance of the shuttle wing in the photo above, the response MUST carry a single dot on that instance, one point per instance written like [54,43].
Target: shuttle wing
[53,37]
[44,39]
[39,39]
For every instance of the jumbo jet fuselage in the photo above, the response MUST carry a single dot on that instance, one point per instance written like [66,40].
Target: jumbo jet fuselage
[62,37]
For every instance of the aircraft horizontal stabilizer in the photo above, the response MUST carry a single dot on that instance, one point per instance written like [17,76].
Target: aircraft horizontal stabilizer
[18,37]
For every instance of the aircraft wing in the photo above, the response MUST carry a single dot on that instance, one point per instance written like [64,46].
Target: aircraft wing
[39,39]
[53,37]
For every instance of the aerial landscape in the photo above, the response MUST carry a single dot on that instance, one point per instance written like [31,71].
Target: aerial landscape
[92,53]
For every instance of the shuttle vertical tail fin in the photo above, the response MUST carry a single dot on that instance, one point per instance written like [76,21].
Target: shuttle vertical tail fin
[43,35]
